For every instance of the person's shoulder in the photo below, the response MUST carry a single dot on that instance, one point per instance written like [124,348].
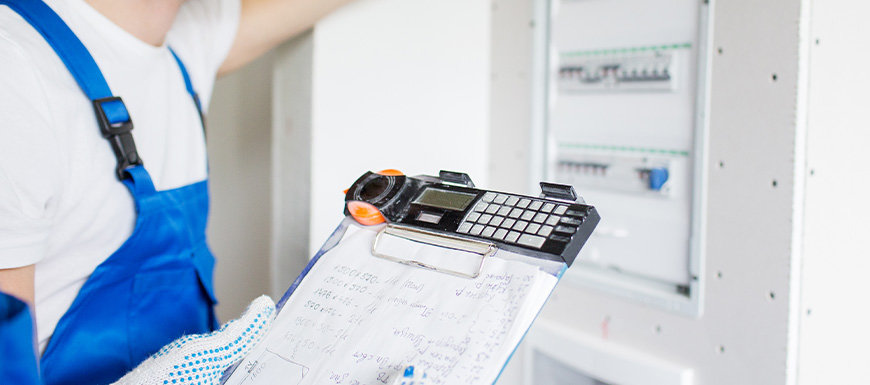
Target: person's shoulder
[199,11]
[205,22]
[24,74]
[21,47]
[13,34]
[202,35]
[28,151]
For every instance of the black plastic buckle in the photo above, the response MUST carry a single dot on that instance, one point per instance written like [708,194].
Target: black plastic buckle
[119,136]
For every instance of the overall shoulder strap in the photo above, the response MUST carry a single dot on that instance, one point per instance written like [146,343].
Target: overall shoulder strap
[112,116]
[189,86]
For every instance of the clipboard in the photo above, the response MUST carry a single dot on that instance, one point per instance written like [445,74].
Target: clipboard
[478,299]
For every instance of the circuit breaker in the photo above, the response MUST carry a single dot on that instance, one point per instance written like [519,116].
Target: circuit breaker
[623,121]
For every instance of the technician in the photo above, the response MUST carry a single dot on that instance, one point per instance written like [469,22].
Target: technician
[102,226]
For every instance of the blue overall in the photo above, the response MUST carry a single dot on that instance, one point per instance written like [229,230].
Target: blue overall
[17,355]
[158,285]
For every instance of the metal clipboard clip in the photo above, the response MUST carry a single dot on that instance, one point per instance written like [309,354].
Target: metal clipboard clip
[449,261]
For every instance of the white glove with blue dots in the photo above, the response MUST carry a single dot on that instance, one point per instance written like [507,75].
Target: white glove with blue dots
[201,359]
[411,376]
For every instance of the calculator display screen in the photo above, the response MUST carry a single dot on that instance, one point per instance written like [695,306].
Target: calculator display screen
[444,199]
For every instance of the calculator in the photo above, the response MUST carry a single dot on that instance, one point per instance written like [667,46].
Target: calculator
[554,225]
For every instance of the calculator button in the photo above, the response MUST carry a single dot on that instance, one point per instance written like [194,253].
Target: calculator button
[481,206]
[571,221]
[512,236]
[496,221]
[476,230]
[433,218]
[500,199]
[504,210]
[533,228]
[559,238]
[560,210]
[545,231]
[473,217]
[492,209]
[515,213]
[488,197]
[553,220]
[508,223]
[527,215]
[535,205]
[488,231]
[547,207]
[500,234]
[520,225]
[512,201]
[540,218]
[485,218]
[523,203]
[565,229]
[463,228]
[532,240]
[576,213]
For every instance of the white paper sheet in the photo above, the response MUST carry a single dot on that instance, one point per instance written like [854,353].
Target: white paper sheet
[359,320]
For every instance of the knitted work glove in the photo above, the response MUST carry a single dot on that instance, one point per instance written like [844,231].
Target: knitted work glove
[201,359]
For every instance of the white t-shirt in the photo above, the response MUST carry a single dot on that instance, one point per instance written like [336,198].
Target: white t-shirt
[61,205]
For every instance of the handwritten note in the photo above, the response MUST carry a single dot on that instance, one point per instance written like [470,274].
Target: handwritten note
[359,320]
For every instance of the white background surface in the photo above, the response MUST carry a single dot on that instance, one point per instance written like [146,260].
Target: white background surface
[398,84]
[834,336]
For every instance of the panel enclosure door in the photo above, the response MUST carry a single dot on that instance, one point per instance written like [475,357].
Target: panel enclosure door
[624,128]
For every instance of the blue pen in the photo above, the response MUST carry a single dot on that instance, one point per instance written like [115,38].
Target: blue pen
[411,377]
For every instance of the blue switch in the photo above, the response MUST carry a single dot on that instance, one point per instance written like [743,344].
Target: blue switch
[657,178]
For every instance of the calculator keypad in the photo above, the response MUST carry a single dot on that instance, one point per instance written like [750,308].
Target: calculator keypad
[520,220]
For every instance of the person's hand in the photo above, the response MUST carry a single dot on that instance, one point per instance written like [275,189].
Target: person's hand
[202,358]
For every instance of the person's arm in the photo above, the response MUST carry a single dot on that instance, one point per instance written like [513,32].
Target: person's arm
[18,282]
[266,23]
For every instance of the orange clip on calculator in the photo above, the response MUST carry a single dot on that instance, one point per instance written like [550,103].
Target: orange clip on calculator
[366,213]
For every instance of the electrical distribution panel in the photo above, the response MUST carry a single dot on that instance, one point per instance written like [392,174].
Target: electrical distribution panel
[623,121]
[628,69]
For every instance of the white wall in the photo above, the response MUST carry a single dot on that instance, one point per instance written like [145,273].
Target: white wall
[397,84]
[834,317]
[512,141]
[239,137]
[291,161]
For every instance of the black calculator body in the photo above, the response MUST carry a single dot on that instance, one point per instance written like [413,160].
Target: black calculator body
[553,226]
